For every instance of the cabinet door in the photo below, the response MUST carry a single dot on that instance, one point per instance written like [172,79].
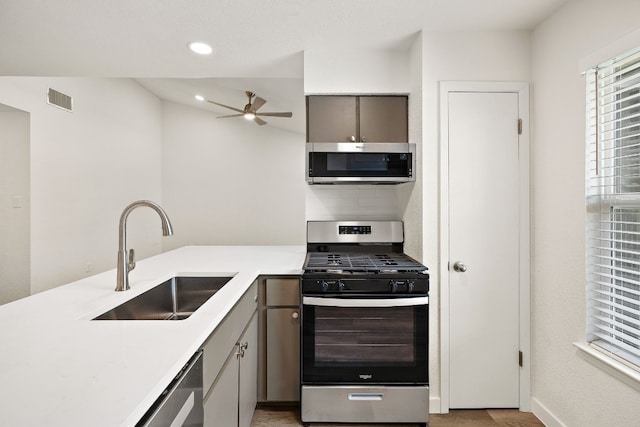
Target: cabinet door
[331,118]
[221,405]
[383,119]
[283,354]
[248,380]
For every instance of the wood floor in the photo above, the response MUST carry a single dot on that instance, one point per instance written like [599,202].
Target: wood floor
[289,417]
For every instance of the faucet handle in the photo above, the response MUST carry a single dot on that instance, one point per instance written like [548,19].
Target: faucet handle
[131,263]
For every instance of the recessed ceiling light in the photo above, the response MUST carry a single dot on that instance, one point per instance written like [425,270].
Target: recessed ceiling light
[200,48]
[199,97]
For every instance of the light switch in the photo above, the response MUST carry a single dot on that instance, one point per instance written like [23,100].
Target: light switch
[17,201]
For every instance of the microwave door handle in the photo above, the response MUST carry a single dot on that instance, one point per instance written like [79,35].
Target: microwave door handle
[365,302]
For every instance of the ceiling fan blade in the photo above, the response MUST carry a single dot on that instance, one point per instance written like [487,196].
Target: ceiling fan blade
[226,106]
[257,103]
[281,114]
[259,121]
[232,115]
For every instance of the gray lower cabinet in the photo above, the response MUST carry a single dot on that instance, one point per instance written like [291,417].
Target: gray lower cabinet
[279,309]
[248,374]
[230,366]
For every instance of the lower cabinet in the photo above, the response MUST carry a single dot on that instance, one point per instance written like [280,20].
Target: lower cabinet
[248,374]
[221,405]
[253,355]
[279,310]
[230,377]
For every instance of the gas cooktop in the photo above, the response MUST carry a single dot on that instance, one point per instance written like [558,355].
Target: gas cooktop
[347,262]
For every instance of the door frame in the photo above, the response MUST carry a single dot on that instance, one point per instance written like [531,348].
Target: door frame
[522,89]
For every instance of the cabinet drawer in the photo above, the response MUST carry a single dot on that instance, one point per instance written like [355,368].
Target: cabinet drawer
[282,292]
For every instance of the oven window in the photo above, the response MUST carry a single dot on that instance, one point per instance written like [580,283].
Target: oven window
[364,336]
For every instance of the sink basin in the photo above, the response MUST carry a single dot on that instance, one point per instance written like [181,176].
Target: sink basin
[174,299]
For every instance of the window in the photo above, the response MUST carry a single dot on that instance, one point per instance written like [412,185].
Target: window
[613,207]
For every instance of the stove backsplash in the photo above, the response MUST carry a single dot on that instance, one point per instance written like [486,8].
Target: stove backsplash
[370,202]
[352,202]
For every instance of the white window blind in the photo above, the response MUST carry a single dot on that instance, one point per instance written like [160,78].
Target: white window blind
[613,207]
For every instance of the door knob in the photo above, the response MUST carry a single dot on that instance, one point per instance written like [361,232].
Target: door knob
[459,267]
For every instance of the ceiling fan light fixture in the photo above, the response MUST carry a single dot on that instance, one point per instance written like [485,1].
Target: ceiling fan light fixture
[199,98]
[200,48]
[249,111]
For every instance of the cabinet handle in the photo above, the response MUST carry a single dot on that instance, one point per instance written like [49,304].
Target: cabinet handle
[241,348]
[352,138]
[295,315]
[363,139]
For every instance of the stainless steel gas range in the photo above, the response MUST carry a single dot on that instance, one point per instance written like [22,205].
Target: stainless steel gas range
[364,339]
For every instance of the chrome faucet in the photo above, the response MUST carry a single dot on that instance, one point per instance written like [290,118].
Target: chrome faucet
[126,263]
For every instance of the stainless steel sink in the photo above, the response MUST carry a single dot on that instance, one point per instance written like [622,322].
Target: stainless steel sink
[175,299]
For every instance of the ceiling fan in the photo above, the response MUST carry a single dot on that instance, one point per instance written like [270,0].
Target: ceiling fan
[250,111]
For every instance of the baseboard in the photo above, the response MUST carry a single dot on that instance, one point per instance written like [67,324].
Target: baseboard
[434,405]
[544,415]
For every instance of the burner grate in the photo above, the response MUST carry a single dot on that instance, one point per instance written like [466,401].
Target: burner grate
[360,262]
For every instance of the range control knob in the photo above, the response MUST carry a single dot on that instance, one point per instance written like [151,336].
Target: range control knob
[341,286]
[393,285]
[410,285]
[324,286]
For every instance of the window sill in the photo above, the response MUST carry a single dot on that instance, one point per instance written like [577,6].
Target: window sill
[616,369]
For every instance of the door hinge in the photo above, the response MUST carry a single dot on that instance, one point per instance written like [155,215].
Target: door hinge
[519,126]
[520,359]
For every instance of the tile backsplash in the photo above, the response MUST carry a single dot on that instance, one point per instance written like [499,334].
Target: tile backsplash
[351,202]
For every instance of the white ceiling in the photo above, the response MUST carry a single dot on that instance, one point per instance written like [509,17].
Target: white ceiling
[258,44]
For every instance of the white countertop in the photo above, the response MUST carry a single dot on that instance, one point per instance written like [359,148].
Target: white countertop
[60,368]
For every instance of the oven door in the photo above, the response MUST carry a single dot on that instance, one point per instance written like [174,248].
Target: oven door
[365,340]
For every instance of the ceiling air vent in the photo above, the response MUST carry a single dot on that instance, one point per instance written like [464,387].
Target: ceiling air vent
[59,99]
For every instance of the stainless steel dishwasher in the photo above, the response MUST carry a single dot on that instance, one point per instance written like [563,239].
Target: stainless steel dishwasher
[180,404]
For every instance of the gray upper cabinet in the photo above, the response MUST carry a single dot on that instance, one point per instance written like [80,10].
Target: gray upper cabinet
[331,118]
[383,119]
[372,118]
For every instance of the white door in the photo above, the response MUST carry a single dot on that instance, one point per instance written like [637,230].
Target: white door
[483,254]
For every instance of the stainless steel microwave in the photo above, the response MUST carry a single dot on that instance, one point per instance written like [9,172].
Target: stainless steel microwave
[360,163]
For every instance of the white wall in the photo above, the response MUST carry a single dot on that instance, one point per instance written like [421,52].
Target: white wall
[86,166]
[351,202]
[455,56]
[566,389]
[410,206]
[15,254]
[362,71]
[228,182]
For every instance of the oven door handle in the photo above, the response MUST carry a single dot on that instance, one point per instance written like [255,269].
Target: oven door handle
[365,302]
